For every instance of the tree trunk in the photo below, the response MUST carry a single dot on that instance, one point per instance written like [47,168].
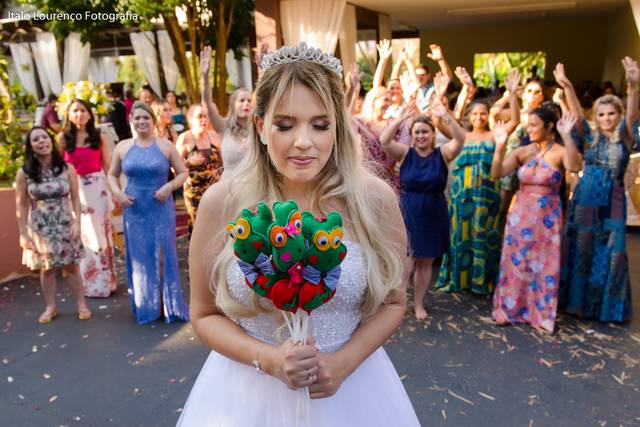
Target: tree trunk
[193,24]
[180,55]
[223,26]
[163,80]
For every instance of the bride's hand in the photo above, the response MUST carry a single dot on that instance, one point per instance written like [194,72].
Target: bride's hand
[331,374]
[296,365]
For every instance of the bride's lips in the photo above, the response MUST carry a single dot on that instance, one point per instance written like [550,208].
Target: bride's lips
[301,160]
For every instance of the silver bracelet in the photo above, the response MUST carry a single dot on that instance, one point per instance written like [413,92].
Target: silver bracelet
[256,361]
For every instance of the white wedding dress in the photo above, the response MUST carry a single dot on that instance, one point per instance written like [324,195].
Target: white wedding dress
[230,394]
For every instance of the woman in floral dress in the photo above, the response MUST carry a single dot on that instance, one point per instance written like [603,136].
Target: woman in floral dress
[88,151]
[527,289]
[46,189]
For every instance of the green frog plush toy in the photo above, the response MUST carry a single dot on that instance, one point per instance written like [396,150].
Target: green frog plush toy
[322,260]
[252,248]
[288,250]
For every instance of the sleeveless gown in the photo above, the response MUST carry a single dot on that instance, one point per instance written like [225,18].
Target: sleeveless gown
[153,275]
[424,207]
[527,289]
[230,394]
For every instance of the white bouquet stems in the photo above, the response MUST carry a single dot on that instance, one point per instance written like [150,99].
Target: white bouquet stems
[298,325]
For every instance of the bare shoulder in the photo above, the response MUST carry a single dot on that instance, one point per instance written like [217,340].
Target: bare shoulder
[213,201]
[123,147]
[165,146]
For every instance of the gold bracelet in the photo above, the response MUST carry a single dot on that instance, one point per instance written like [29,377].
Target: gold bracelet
[256,361]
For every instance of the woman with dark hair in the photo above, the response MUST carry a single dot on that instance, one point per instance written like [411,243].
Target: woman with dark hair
[149,218]
[48,211]
[595,266]
[88,151]
[527,289]
[474,205]
[177,112]
[234,127]
[423,179]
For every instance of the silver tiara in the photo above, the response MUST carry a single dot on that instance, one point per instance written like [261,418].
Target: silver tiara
[302,52]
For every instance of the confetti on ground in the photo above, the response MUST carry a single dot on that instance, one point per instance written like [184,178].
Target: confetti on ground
[403,377]
[486,396]
[53,398]
[46,376]
[34,349]
[103,307]
[457,396]
[444,415]
[10,379]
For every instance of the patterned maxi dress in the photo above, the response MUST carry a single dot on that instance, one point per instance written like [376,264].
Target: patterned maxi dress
[474,204]
[201,177]
[595,267]
[49,224]
[527,288]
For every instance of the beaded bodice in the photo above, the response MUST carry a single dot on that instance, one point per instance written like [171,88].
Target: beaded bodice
[332,324]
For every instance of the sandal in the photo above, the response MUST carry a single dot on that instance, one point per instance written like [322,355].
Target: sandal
[84,314]
[47,317]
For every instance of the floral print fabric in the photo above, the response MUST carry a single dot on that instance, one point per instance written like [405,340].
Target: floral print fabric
[527,289]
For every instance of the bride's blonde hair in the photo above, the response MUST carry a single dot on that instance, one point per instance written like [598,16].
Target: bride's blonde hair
[343,179]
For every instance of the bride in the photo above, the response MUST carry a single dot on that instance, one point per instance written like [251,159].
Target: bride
[301,148]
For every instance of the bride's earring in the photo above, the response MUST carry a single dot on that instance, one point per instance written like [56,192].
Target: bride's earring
[263,140]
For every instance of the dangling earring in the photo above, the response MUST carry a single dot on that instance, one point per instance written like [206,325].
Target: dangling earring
[263,140]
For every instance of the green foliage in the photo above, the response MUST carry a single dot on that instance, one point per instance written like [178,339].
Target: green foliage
[489,68]
[129,72]
[12,127]
[366,74]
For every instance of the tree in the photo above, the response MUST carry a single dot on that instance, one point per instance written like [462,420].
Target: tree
[224,24]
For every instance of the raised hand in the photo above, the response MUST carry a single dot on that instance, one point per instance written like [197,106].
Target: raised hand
[260,52]
[464,76]
[500,134]
[558,96]
[409,85]
[513,81]
[384,49]
[440,83]
[205,61]
[631,70]
[560,76]
[410,49]
[353,75]
[566,123]
[436,53]
[410,109]
[437,107]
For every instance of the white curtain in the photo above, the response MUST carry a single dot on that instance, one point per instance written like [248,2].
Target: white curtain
[348,37]
[76,59]
[145,51]
[23,66]
[635,9]
[103,69]
[45,51]
[311,21]
[169,66]
[239,71]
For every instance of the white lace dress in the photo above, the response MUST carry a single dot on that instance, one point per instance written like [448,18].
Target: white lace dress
[231,394]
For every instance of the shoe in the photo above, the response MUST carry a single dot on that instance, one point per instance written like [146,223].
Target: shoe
[47,317]
[84,314]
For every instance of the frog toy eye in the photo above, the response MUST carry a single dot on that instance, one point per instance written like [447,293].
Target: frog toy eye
[336,238]
[296,221]
[231,231]
[321,240]
[243,229]
[277,236]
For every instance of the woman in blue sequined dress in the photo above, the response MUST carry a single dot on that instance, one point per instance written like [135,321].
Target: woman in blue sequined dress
[594,278]
[149,217]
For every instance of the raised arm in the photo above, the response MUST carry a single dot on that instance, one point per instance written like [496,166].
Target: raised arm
[500,166]
[572,159]
[633,75]
[352,81]
[448,126]
[219,123]
[440,85]
[497,107]
[394,149]
[512,83]
[466,94]
[569,93]
[409,49]
[437,55]
[395,71]
[384,51]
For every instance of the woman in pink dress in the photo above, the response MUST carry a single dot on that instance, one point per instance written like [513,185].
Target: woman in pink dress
[88,151]
[527,289]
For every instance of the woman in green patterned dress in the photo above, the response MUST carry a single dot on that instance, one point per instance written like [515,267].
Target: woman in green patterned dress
[474,205]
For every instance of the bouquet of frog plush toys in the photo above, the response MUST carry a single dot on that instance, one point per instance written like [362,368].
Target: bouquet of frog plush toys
[293,259]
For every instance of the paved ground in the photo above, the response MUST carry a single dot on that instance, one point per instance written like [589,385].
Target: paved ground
[459,369]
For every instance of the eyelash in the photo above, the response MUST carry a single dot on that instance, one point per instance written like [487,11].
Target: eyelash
[282,128]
